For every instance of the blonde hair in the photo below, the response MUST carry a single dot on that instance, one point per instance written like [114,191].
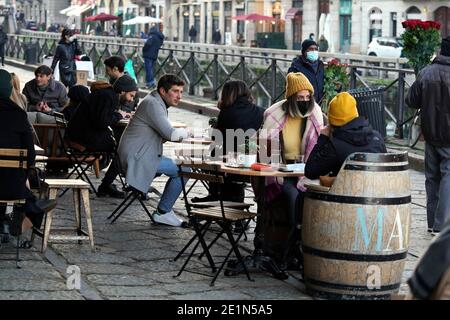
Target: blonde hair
[16,96]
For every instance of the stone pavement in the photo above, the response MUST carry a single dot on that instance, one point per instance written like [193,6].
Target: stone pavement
[132,256]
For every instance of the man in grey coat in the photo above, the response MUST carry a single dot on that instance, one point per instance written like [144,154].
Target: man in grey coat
[141,147]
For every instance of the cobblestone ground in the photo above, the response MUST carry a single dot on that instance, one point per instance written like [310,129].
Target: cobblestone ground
[132,256]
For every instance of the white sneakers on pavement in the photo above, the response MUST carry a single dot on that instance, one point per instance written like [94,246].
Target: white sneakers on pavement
[169,218]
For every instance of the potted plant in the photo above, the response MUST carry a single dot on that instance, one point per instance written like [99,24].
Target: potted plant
[336,80]
[420,41]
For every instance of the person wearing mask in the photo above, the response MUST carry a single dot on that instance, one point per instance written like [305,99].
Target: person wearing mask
[44,94]
[150,53]
[141,147]
[311,66]
[346,133]
[431,93]
[293,126]
[65,54]
[16,96]
[3,40]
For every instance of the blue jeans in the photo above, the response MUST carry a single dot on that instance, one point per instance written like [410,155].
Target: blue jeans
[437,185]
[173,187]
[149,72]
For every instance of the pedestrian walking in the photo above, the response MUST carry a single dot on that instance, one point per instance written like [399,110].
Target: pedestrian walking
[150,52]
[323,44]
[217,36]
[3,40]
[65,54]
[192,34]
[311,66]
[431,93]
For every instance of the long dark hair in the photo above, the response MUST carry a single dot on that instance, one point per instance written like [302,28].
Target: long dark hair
[66,32]
[231,91]
[290,106]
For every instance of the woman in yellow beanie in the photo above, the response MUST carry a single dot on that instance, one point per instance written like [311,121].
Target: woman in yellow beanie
[347,133]
[292,126]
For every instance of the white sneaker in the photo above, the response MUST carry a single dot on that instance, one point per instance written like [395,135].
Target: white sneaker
[168,218]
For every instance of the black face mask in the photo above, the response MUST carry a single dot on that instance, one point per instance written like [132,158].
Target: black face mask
[303,106]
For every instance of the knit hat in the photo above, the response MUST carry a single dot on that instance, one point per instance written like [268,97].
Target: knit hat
[5,84]
[125,84]
[307,43]
[342,109]
[297,81]
[445,47]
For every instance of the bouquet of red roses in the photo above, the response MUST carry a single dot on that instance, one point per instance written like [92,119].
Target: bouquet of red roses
[420,41]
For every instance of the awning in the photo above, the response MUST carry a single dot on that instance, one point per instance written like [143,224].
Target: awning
[290,14]
[79,10]
[76,10]
[64,11]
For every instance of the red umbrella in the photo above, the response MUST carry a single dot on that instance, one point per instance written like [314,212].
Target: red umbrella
[102,17]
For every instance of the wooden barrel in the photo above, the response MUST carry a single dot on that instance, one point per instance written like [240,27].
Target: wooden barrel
[355,237]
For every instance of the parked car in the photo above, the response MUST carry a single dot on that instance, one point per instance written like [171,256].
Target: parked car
[385,47]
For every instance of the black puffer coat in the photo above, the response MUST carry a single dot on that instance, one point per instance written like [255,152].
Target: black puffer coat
[431,93]
[328,154]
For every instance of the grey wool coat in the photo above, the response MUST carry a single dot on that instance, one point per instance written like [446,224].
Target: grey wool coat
[141,146]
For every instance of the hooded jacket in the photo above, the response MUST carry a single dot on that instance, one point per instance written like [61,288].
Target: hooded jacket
[329,154]
[300,64]
[431,93]
[153,44]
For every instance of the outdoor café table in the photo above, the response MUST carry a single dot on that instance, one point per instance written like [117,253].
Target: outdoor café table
[258,258]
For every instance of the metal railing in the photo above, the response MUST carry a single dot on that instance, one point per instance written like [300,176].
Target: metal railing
[205,68]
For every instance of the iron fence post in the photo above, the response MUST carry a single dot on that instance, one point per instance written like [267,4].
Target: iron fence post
[215,76]
[401,101]
[243,69]
[192,76]
[273,71]
[352,77]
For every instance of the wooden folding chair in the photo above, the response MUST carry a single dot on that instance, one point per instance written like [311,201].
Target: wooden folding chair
[220,215]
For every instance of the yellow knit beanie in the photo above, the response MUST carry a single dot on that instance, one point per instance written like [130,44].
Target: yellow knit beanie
[342,109]
[295,82]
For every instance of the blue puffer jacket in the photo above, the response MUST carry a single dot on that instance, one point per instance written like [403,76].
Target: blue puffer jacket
[300,64]
[153,44]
